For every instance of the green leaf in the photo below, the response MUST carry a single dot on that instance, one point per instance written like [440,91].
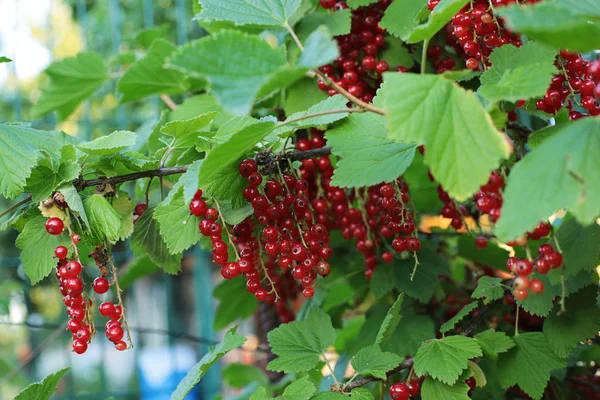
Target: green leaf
[245,12]
[564,24]
[123,206]
[435,390]
[319,49]
[231,340]
[338,23]
[302,95]
[401,17]
[140,267]
[180,129]
[188,181]
[198,105]
[451,323]
[227,186]
[236,65]
[234,216]
[238,375]
[147,241]
[300,344]
[178,227]
[109,144]
[105,221]
[146,37]
[488,289]
[390,323]
[72,80]
[337,102]
[301,389]
[19,154]
[371,361]
[581,321]
[356,394]
[73,200]
[148,75]
[354,4]
[528,364]
[518,73]
[410,334]
[536,189]
[494,343]
[42,390]
[463,146]
[367,156]
[580,246]
[445,359]
[44,180]
[396,53]
[441,15]
[234,302]
[5,60]
[492,255]
[37,248]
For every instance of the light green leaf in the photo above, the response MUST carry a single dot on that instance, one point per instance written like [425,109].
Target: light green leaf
[198,105]
[300,344]
[235,64]
[148,75]
[44,180]
[563,24]
[239,375]
[441,15]
[5,60]
[302,95]
[123,206]
[245,12]
[338,23]
[189,182]
[227,186]
[580,246]
[445,359]
[42,390]
[146,37]
[147,241]
[231,340]
[109,144]
[528,364]
[488,289]
[319,49]
[390,323]
[354,4]
[37,248]
[281,79]
[518,73]
[73,199]
[72,80]
[371,361]
[300,389]
[105,221]
[234,216]
[537,188]
[401,17]
[356,394]
[337,102]
[367,156]
[234,302]
[463,146]
[180,129]
[451,323]
[581,321]
[410,334]
[435,390]
[494,343]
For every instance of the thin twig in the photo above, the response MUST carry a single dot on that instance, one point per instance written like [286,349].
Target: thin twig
[15,206]
[406,364]
[168,101]
[424,56]
[224,223]
[343,110]
[132,177]
[294,36]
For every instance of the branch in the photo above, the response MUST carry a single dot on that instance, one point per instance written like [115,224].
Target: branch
[168,101]
[406,364]
[132,177]
[308,154]
[340,111]
[15,206]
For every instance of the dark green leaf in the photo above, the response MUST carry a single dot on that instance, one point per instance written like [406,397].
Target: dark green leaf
[489,289]
[494,343]
[371,361]
[234,302]
[451,323]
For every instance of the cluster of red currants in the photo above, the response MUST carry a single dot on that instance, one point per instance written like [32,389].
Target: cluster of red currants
[488,199]
[403,391]
[114,327]
[138,211]
[359,67]
[577,85]
[441,64]
[548,259]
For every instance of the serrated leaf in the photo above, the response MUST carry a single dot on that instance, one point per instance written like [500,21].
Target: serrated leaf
[37,248]
[148,75]
[300,344]
[581,321]
[518,73]
[231,340]
[391,321]
[528,364]
[109,144]
[234,216]
[234,303]
[319,49]
[337,102]
[488,289]
[147,241]
[356,394]
[493,343]
[371,361]
[401,17]
[410,334]
[367,156]
[188,181]
[146,37]
[451,323]
[580,246]
[302,95]
[239,375]
[338,23]
[439,17]
[235,64]
[44,180]
[396,53]
[564,24]
[463,146]
[536,188]
[435,390]
[72,80]
[42,390]
[123,206]
[445,359]
[179,129]
[198,105]
[301,389]
[73,199]
[354,4]
[105,221]
[227,186]
[246,12]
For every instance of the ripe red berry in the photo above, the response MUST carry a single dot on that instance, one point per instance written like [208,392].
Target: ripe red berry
[72,269]
[399,391]
[414,388]
[327,4]
[387,257]
[79,346]
[55,226]
[521,283]
[117,313]
[369,63]
[554,259]
[248,167]
[101,285]
[75,238]
[198,207]
[121,345]
[106,309]
[115,333]
[521,294]
[140,208]
[481,242]
[542,265]
[472,63]
[413,244]
[61,252]
[536,286]
[308,292]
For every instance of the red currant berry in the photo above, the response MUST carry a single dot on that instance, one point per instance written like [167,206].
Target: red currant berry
[248,167]
[55,226]
[106,309]
[414,388]
[61,252]
[72,269]
[399,391]
[545,249]
[536,286]
[481,242]
[308,292]
[387,257]
[521,294]
[327,4]
[121,345]
[75,238]
[198,207]
[79,346]
[101,285]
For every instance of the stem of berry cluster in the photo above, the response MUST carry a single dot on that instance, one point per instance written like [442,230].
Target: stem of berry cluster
[118,290]
[224,224]
[424,56]
[563,283]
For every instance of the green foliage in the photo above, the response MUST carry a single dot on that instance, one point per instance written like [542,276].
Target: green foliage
[299,344]
[45,179]
[451,323]
[319,49]
[518,73]
[463,146]
[536,188]
[337,23]
[142,266]
[42,390]
[371,361]
[105,221]
[231,340]
[493,343]
[391,321]
[234,302]
[564,24]
[435,390]
[489,289]
[239,375]
[445,359]
[4,60]
[109,144]
[72,80]
[244,12]
[177,225]
[301,389]
[528,364]
[440,16]
[580,246]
